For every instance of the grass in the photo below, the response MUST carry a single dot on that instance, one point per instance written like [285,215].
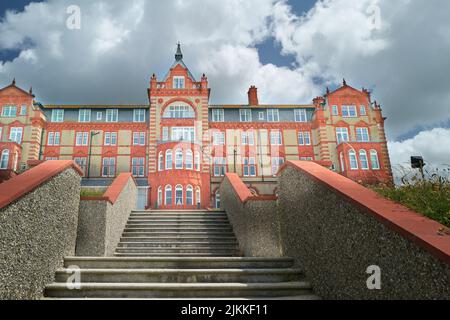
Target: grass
[429,196]
[91,193]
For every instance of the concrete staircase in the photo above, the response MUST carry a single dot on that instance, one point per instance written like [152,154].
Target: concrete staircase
[186,255]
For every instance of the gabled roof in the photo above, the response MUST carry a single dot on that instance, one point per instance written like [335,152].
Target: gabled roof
[179,61]
[13,86]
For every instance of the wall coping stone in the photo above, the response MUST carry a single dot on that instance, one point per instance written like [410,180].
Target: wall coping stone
[114,190]
[419,229]
[243,192]
[20,185]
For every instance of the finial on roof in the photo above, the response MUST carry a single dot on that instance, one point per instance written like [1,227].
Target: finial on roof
[31,90]
[14,82]
[179,54]
[328,90]
[344,82]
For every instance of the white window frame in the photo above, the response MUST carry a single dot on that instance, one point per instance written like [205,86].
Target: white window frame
[4,160]
[112,115]
[353,159]
[218,138]
[276,138]
[273,115]
[245,115]
[169,159]
[300,115]
[189,160]
[99,116]
[189,189]
[219,166]
[84,115]
[248,138]
[138,166]
[218,115]
[179,159]
[81,162]
[277,162]
[183,134]
[161,162]
[249,169]
[138,138]
[24,110]
[139,115]
[375,160]
[179,82]
[335,110]
[16,134]
[57,115]
[9,111]
[110,139]
[363,159]
[178,189]
[168,190]
[82,139]
[110,163]
[197,161]
[349,111]
[179,112]
[362,134]
[362,110]
[261,116]
[342,135]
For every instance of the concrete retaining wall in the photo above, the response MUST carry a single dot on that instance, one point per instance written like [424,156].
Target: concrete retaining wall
[38,227]
[103,219]
[254,219]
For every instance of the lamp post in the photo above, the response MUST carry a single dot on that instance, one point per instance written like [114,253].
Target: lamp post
[92,134]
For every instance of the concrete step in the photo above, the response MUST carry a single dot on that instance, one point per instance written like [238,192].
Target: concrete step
[203,249]
[178,223]
[179,239]
[180,215]
[177,229]
[179,263]
[178,212]
[174,219]
[181,224]
[177,255]
[178,244]
[157,234]
[180,290]
[182,275]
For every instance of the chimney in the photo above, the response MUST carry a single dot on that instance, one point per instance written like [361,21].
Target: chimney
[253,96]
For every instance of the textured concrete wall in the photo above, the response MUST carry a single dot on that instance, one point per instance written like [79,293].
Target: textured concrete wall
[335,243]
[36,232]
[255,223]
[101,223]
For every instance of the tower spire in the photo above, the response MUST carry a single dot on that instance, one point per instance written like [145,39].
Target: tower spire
[179,54]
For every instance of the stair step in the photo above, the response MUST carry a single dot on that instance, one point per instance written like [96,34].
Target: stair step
[181,224]
[144,234]
[177,220]
[178,244]
[180,290]
[203,249]
[182,275]
[139,229]
[178,239]
[178,262]
[178,255]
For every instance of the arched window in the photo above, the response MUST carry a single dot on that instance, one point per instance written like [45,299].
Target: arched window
[197,161]
[189,160]
[198,196]
[341,156]
[161,162]
[4,159]
[169,160]
[374,160]
[179,159]
[179,195]
[189,196]
[353,160]
[179,112]
[363,159]
[217,199]
[168,197]
[160,197]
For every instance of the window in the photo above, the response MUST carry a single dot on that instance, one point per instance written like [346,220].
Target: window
[51,158]
[183,134]
[306,158]
[374,160]
[139,115]
[218,115]
[160,161]
[168,197]
[4,159]
[179,159]
[248,138]
[335,110]
[219,138]
[179,195]
[261,116]
[16,134]
[304,138]
[363,159]
[277,162]
[341,157]
[198,196]
[57,115]
[110,138]
[362,135]
[219,167]
[169,164]
[179,112]
[217,199]
[138,167]
[275,138]
[1,132]
[189,160]
[273,115]
[197,161]
[81,162]
[249,167]
[99,116]
[245,115]
[349,111]
[84,115]
[160,197]
[165,134]
[300,115]
[112,115]
[189,196]
[23,110]
[9,111]
[178,83]
[82,139]
[362,110]
[342,135]
[54,139]
[109,167]
[353,160]
[138,138]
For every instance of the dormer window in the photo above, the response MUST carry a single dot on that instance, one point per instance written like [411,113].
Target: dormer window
[178,82]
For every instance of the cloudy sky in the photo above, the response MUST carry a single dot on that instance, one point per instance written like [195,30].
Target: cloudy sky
[290,49]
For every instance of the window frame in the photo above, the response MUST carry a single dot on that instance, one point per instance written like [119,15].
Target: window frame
[300,115]
[273,115]
[139,115]
[218,115]
[353,159]
[245,115]
[340,132]
[14,132]
[112,115]
[57,115]
[361,136]
[84,115]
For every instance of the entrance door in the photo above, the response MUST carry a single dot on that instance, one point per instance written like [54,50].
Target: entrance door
[142,198]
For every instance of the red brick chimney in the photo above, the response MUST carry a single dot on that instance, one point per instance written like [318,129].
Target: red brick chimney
[253,96]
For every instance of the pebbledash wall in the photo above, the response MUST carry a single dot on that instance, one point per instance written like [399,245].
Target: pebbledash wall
[102,219]
[336,229]
[182,145]
[38,227]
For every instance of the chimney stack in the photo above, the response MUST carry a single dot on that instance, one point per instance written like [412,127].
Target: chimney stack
[253,96]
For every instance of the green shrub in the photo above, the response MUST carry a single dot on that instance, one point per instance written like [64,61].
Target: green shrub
[92,193]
